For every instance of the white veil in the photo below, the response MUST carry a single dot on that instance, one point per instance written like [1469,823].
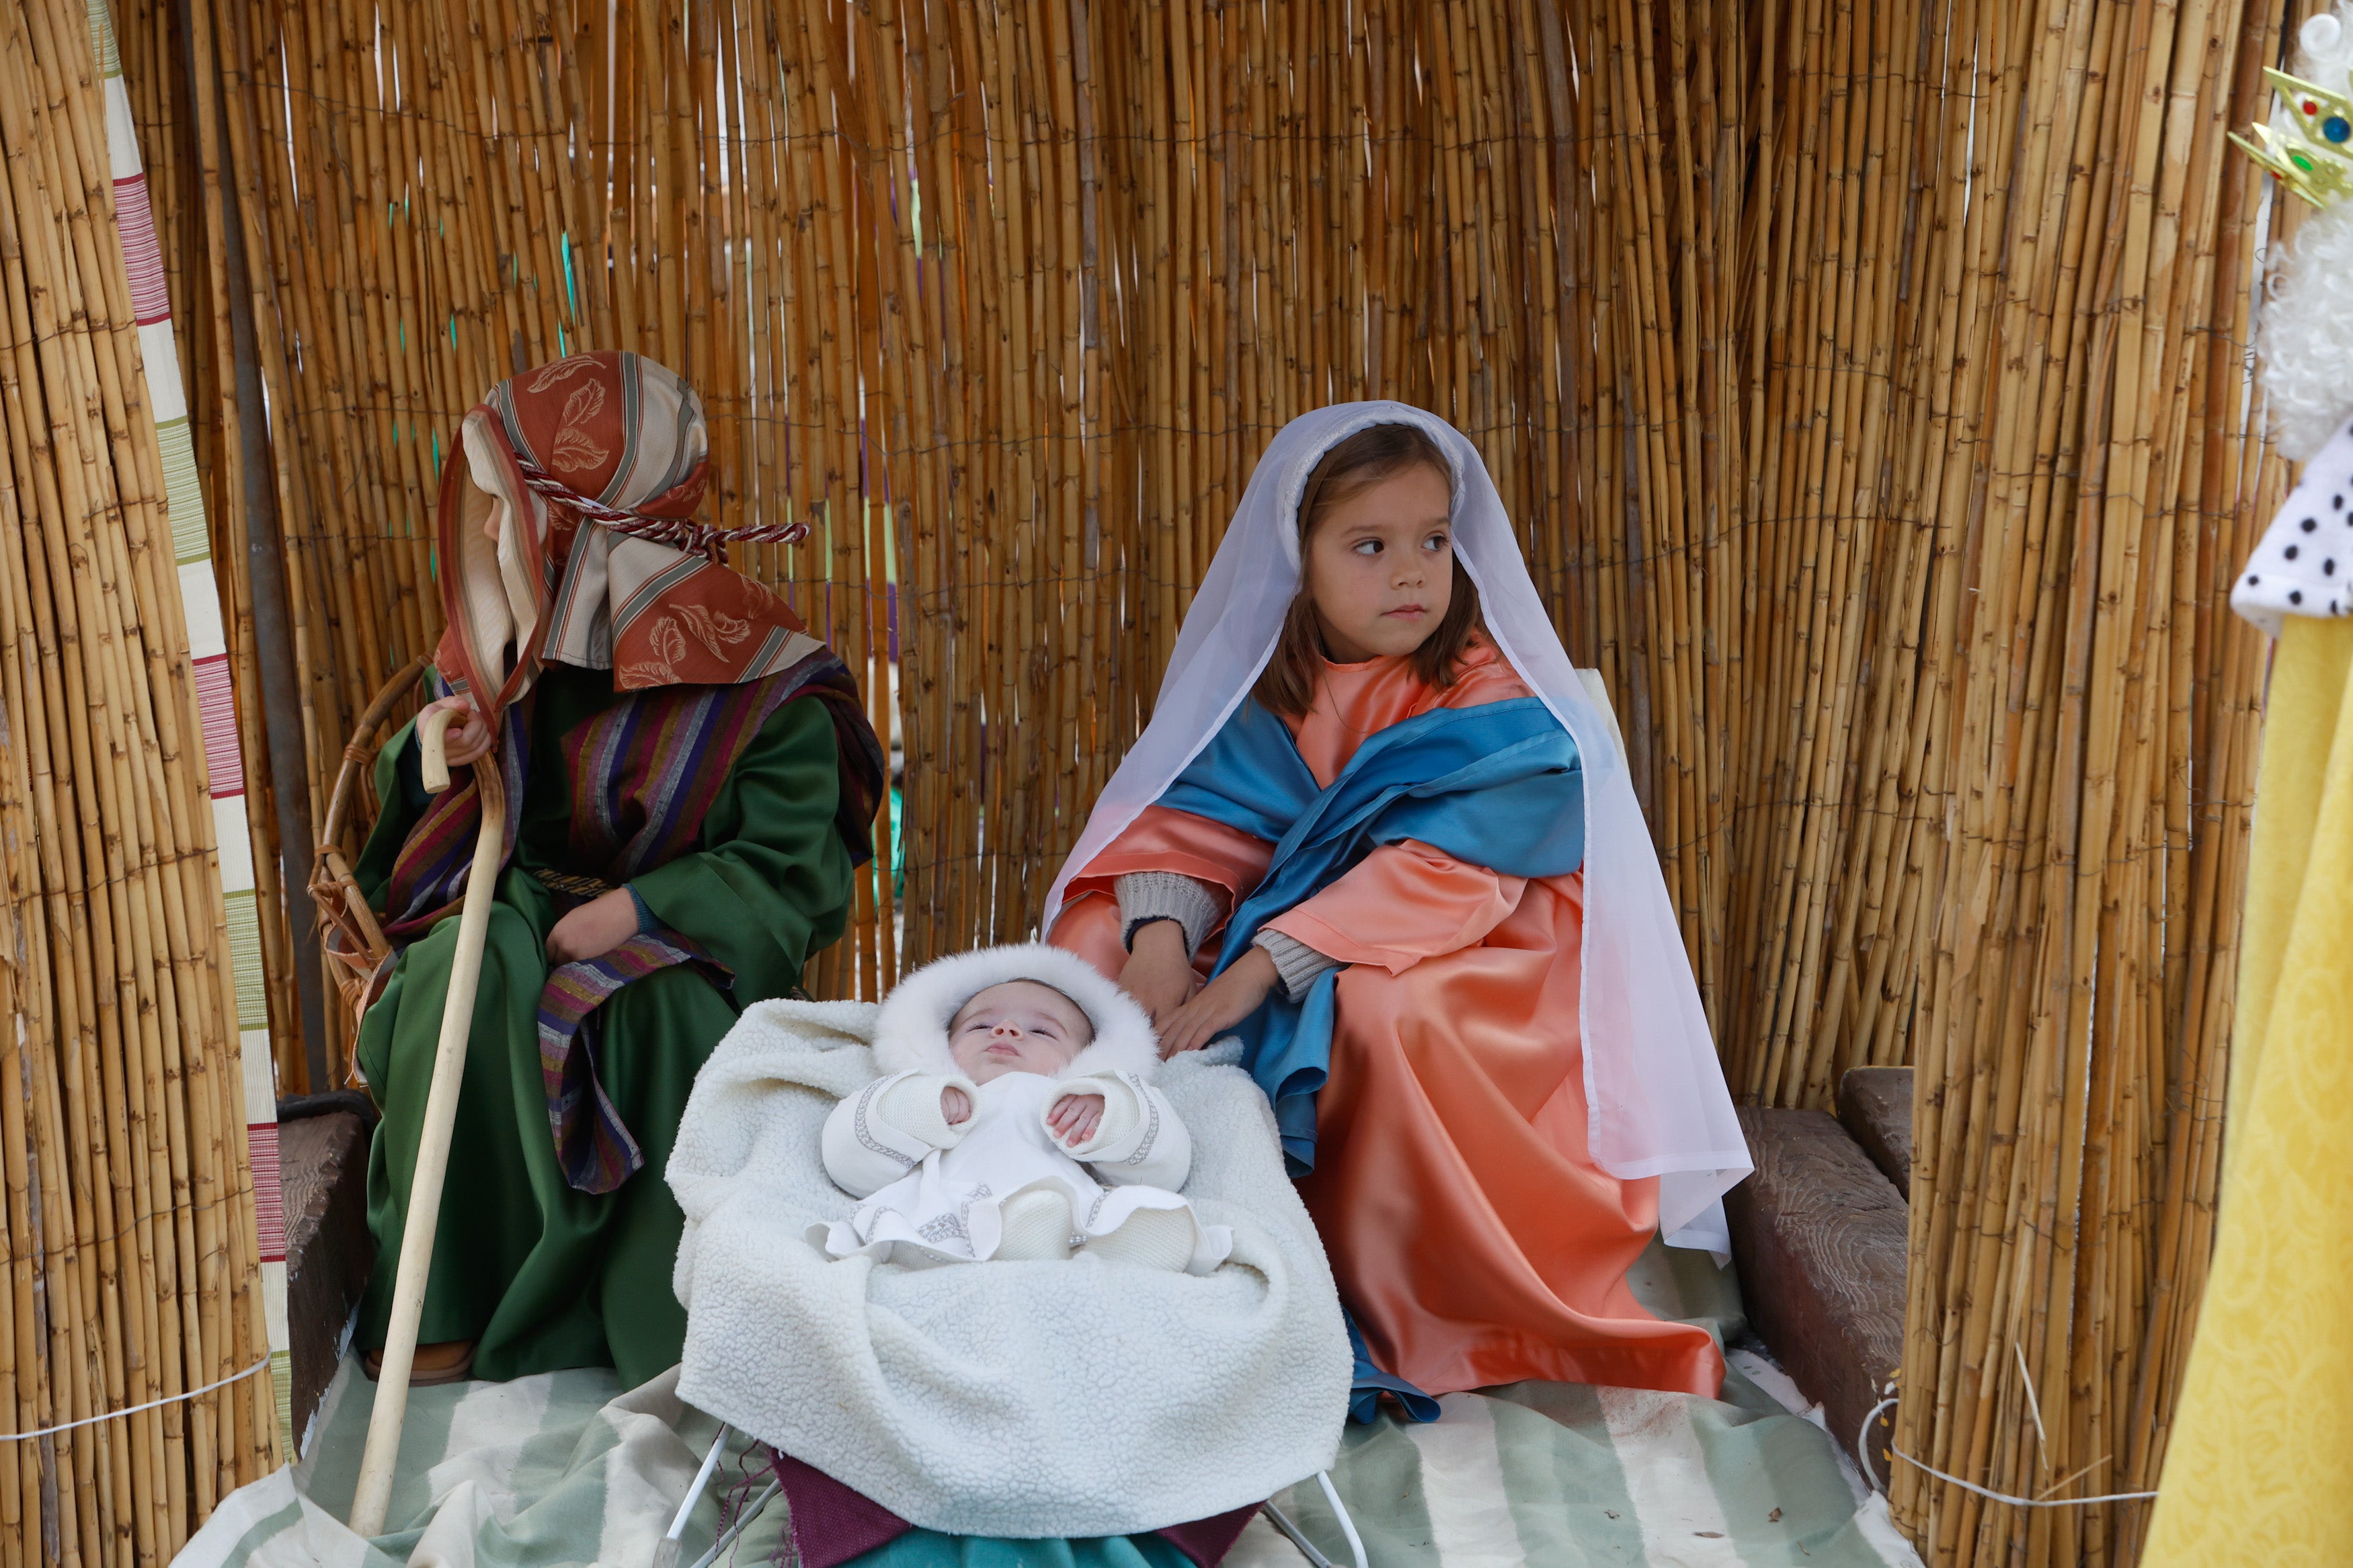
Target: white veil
[1655,1092]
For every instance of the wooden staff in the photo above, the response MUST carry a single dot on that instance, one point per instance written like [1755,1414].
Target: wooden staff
[375,1493]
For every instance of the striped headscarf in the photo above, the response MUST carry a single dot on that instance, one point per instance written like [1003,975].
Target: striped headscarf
[589,470]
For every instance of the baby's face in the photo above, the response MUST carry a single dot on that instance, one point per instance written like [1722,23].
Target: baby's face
[1018,1026]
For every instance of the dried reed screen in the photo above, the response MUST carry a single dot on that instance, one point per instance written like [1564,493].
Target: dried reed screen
[130,1230]
[1869,381]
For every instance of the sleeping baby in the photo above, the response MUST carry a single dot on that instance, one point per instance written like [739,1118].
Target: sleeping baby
[1015,1119]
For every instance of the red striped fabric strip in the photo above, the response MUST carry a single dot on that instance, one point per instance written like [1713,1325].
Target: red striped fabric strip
[268,1191]
[142,258]
[216,708]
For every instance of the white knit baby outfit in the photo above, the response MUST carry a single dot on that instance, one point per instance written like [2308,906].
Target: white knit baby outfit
[999,1185]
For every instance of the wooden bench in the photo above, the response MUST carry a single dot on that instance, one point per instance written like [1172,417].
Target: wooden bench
[1874,1104]
[1820,1235]
[322,1152]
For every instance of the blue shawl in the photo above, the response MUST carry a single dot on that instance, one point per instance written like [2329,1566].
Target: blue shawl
[1497,786]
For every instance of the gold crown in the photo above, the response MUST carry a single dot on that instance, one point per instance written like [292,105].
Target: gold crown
[2315,160]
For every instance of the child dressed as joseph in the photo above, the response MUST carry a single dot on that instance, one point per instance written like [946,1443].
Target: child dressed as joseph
[692,784]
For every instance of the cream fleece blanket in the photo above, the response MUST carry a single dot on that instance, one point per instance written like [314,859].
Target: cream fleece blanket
[1007,1399]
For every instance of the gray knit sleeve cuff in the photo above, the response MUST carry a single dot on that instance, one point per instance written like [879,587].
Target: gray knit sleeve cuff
[1299,965]
[1146,896]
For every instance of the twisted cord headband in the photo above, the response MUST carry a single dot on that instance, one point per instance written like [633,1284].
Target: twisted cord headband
[678,532]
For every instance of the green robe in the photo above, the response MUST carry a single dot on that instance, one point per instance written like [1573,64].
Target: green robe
[542,1275]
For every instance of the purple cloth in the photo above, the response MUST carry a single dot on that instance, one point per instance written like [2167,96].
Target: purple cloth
[831,1524]
[1206,1541]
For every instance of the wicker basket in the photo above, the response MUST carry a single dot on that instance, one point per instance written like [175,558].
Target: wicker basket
[358,957]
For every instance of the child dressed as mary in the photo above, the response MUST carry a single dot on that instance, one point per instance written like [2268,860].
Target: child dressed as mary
[1377,813]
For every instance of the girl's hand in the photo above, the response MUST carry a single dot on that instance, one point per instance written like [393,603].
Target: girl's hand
[594,929]
[1159,972]
[468,741]
[1223,1002]
[956,1105]
[1075,1118]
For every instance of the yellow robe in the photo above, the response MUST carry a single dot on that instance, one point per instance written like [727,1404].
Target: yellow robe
[2263,1444]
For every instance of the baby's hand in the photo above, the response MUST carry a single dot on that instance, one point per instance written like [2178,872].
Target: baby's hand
[956,1105]
[1075,1117]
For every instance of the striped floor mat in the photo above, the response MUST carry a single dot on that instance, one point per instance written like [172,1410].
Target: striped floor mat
[568,1467]
[1552,1476]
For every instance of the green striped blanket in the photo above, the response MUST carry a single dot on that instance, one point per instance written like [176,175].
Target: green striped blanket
[568,1467]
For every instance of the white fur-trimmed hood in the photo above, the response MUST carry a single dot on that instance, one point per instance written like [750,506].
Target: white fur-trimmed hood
[911,1031]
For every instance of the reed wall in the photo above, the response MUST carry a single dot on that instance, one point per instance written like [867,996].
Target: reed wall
[135,1386]
[1869,381]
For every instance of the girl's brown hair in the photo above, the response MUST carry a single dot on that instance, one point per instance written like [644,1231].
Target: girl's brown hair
[1352,467]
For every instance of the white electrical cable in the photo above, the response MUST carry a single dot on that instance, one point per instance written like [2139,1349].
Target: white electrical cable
[751,1512]
[135,1409]
[1297,1537]
[1308,1549]
[666,1555]
[1347,1525]
[1863,1455]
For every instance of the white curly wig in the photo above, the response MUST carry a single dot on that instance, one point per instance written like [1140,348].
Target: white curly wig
[2306,337]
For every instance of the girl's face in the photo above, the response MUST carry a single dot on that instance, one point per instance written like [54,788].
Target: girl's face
[1380,566]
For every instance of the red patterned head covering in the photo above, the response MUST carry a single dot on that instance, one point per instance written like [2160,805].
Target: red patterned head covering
[589,470]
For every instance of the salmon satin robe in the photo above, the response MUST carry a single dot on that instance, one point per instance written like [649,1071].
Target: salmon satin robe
[1476,1240]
